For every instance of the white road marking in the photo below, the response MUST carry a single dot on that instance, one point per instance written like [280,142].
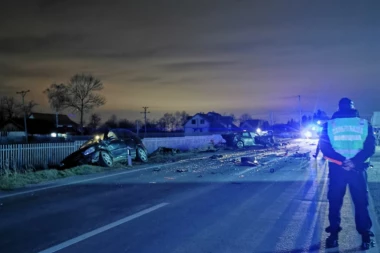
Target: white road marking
[101,229]
[91,179]
[245,171]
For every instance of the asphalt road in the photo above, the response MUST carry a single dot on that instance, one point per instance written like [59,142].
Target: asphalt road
[214,205]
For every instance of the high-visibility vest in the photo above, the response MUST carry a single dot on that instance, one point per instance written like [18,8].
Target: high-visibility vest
[347,135]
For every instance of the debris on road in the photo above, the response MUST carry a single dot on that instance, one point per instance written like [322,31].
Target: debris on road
[157,169]
[169,178]
[216,156]
[248,161]
[182,170]
[302,155]
[165,151]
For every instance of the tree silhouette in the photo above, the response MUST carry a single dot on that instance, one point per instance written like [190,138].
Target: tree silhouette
[245,117]
[82,94]
[57,96]
[94,121]
[10,107]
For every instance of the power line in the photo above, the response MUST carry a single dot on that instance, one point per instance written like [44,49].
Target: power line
[145,112]
[23,94]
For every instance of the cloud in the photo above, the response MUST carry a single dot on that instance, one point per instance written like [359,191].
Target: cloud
[197,65]
[144,79]
[177,53]
[38,44]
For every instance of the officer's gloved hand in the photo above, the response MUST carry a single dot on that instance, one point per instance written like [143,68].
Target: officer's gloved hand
[348,165]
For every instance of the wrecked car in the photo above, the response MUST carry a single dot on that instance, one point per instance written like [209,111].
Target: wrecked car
[249,139]
[106,148]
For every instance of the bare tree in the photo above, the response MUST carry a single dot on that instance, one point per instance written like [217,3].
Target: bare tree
[245,117]
[180,118]
[167,122]
[57,95]
[124,123]
[10,107]
[28,108]
[138,125]
[2,112]
[82,96]
[94,121]
[111,122]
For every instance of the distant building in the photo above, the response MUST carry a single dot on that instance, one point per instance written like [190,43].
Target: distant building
[253,124]
[50,118]
[38,124]
[12,129]
[211,122]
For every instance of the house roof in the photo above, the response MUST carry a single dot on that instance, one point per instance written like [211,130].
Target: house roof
[51,117]
[215,117]
[14,122]
[217,121]
[37,126]
[254,122]
[217,127]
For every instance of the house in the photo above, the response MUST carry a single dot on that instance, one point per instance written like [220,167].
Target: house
[62,120]
[12,129]
[210,122]
[38,124]
[253,124]
[59,124]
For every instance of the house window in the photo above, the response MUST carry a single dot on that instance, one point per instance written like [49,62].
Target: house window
[200,130]
[193,121]
[202,121]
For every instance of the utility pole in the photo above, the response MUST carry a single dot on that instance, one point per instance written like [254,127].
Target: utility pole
[145,112]
[23,94]
[299,105]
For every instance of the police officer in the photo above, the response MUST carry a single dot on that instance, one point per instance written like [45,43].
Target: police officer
[348,142]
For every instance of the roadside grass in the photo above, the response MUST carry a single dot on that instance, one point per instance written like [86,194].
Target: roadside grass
[10,180]
[13,179]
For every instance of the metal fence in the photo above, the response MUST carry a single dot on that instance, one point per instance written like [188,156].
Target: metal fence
[37,154]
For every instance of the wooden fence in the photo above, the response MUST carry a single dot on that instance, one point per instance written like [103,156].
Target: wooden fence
[37,154]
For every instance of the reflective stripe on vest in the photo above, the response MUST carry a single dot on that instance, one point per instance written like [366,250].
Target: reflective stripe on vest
[347,135]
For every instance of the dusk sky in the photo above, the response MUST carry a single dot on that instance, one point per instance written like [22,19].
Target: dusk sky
[233,56]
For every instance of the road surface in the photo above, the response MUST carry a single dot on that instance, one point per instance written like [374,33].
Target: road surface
[204,206]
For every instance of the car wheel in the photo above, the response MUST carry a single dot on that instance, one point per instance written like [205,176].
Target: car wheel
[240,144]
[105,159]
[142,155]
[95,158]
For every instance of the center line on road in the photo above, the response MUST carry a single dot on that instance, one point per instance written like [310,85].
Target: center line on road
[245,171]
[91,179]
[101,229]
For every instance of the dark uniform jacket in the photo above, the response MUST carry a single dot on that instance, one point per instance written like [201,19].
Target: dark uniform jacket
[359,159]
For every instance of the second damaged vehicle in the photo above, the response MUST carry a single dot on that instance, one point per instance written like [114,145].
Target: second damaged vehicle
[106,148]
[248,139]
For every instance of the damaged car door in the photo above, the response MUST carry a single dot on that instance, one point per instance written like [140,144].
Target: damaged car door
[247,139]
[116,146]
